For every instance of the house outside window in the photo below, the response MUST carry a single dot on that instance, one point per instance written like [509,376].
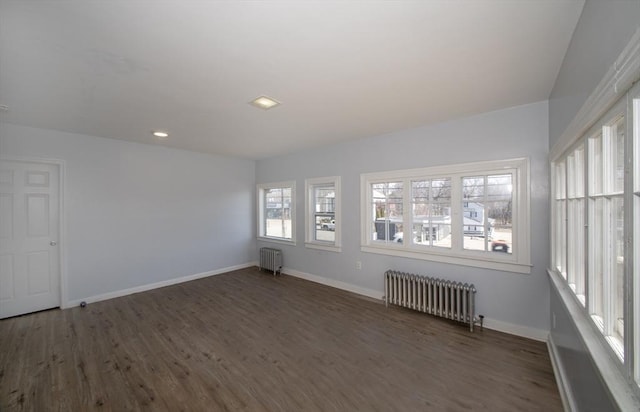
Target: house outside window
[276,211]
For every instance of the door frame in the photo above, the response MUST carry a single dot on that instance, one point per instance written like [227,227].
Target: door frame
[62,235]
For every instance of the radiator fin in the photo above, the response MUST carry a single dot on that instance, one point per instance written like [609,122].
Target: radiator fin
[439,297]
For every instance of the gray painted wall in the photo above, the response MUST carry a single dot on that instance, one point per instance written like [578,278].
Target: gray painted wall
[603,30]
[514,299]
[138,214]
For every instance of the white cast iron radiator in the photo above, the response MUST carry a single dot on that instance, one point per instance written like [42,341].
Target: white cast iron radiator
[444,298]
[271,259]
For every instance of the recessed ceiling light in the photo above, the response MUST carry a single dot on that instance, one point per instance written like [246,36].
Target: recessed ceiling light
[264,102]
[160,135]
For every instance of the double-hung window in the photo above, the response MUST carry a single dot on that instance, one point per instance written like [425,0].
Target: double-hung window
[323,219]
[474,214]
[276,211]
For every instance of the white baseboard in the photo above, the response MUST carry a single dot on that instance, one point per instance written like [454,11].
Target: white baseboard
[513,329]
[524,331]
[334,283]
[566,395]
[150,286]
[540,335]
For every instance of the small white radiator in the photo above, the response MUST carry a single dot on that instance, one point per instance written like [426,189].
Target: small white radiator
[271,259]
[444,298]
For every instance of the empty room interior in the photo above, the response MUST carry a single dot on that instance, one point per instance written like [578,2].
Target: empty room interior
[320,205]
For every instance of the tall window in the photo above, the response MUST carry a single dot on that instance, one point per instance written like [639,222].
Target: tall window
[560,219]
[474,214]
[575,221]
[276,211]
[606,237]
[323,219]
[594,213]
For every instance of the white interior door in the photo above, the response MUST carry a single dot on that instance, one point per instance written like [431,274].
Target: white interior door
[29,230]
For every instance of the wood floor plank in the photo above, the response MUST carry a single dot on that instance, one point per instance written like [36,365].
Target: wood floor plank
[245,341]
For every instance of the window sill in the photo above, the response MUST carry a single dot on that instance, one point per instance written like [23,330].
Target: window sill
[606,362]
[452,259]
[323,246]
[277,240]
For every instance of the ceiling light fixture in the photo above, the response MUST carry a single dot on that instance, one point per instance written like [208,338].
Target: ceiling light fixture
[264,102]
[160,135]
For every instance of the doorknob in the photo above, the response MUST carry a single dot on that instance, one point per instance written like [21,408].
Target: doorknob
[53,243]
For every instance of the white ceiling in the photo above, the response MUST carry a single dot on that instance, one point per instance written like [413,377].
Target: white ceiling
[342,69]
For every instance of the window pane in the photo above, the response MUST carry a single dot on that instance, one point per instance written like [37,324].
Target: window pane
[559,222]
[579,172]
[560,240]
[473,188]
[618,156]
[431,203]
[578,258]
[487,213]
[617,278]
[324,199]
[325,228]
[278,212]
[595,166]
[571,168]
[501,226]
[596,252]
[387,211]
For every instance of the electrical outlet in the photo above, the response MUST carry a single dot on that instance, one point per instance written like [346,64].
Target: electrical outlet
[358,265]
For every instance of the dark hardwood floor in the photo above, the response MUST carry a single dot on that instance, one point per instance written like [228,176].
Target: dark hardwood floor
[246,341]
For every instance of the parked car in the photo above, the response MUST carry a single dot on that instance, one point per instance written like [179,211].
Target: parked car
[331,225]
[499,246]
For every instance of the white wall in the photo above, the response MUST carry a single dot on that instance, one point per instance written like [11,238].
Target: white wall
[508,300]
[603,30]
[140,214]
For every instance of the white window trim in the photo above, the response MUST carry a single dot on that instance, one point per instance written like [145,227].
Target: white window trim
[310,242]
[261,187]
[519,261]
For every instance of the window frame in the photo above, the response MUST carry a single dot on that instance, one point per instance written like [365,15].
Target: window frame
[261,190]
[519,261]
[310,224]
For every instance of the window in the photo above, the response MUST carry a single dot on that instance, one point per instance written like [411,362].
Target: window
[575,221]
[276,211]
[606,237]
[323,219]
[560,219]
[594,213]
[474,214]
